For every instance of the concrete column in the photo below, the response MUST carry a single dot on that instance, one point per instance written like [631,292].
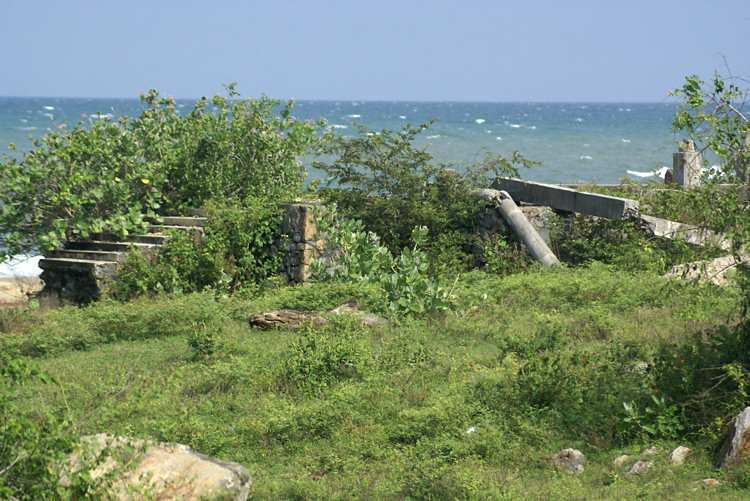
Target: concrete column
[521,226]
[686,165]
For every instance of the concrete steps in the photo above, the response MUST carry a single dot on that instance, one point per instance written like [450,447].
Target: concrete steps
[82,268]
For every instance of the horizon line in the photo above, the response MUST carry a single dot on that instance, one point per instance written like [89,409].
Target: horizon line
[326,100]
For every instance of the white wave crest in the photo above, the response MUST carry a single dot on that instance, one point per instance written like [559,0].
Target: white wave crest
[354,116]
[480,120]
[337,126]
[21,266]
[515,126]
[402,117]
[579,119]
[625,140]
[434,136]
[640,174]
[48,108]
[584,157]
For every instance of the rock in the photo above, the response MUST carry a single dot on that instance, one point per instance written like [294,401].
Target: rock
[641,367]
[677,456]
[160,471]
[620,460]
[651,451]
[704,271]
[294,319]
[351,307]
[737,445]
[291,319]
[639,467]
[570,460]
[707,483]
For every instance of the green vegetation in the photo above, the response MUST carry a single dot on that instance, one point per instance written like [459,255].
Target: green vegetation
[114,174]
[390,185]
[460,406]
[360,258]
[487,366]
[233,254]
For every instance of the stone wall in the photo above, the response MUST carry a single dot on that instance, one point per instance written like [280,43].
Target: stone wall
[298,241]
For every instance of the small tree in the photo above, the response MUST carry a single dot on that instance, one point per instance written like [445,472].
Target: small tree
[715,116]
[392,186]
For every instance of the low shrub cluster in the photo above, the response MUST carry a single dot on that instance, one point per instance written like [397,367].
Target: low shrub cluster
[361,259]
[110,321]
[235,251]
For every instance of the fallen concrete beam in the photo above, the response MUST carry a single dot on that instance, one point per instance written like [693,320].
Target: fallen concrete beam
[568,199]
[521,226]
[691,234]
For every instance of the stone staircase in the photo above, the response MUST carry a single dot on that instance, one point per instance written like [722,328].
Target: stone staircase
[82,269]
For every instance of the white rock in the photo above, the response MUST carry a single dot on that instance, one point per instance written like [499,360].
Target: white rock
[163,471]
[570,460]
[677,456]
[737,444]
[620,460]
[651,451]
[639,467]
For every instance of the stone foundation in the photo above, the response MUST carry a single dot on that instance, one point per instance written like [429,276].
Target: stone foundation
[298,241]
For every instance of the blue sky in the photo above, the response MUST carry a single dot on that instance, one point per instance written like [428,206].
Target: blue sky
[436,50]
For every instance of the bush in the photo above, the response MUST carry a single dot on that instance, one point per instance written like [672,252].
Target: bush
[322,357]
[31,442]
[235,251]
[110,321]
[361,259]
[390,185]
[113,174]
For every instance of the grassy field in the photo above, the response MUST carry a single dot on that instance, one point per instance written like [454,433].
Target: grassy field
[470,404]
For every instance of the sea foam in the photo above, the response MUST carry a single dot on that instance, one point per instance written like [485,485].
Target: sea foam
[21,266]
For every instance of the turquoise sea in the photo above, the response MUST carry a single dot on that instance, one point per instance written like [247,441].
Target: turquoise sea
[578,142]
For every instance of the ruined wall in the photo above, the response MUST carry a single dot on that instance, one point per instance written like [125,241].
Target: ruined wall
[298,241]
[299,244]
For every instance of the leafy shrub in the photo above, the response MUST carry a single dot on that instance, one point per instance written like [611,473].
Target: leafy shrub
[712,113]
[31,442]
[321,357]
[112,174]
[580,240]
[203,338]
[360,258]
[383,180]
[235,251]
[660,419]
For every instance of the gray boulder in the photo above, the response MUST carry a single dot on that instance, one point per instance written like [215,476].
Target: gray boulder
[145,469]
[569,460]
[736,447]
[639,467]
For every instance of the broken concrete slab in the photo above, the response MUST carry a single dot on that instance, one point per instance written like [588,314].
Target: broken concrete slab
[689,233]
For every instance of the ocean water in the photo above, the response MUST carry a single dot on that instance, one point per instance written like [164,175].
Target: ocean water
[578,142]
